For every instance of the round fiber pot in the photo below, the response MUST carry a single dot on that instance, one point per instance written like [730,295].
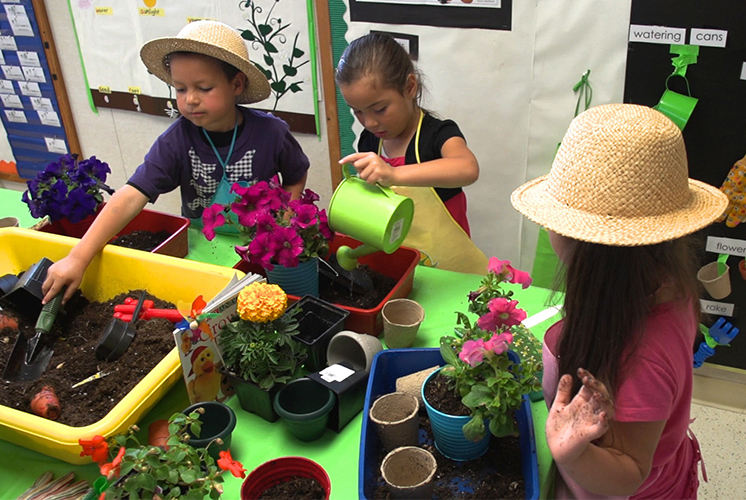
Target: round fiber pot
[304,405]
[409,472]
[356,349]
[300,280]
[281,470]
[716,284]
[8,222]
[218,421]
[448,434]
[395,418]
[401,321]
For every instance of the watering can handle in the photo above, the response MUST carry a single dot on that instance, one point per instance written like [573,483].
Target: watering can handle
[346,174]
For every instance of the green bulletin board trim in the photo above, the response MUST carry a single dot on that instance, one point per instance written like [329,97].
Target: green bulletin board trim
[82,64]
[337,9]
[314,76]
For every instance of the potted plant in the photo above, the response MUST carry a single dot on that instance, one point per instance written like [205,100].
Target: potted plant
[481,373]
[259,350]
[177,470]
[284,237]
[68,191]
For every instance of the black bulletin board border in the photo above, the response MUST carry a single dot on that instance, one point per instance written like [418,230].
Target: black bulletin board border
[447,16]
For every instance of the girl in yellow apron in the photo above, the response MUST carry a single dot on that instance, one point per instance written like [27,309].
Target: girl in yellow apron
[410,150]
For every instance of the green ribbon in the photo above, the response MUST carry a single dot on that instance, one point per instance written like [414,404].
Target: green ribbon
[687,54]
[584,91]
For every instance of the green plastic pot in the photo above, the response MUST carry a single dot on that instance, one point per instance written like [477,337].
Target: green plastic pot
[218,421]
[304,405]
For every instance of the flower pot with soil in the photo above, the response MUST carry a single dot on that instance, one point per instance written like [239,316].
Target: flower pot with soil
[259,350]
[304,405]
[287,477]
[149,379]
[318,322]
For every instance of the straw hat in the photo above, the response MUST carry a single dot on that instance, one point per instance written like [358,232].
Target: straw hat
[620,178]
[213,39]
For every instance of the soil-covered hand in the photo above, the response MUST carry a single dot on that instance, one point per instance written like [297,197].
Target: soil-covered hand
[371,168]
[574,422]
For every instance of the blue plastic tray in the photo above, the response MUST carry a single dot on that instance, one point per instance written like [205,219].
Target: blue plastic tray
[390,364]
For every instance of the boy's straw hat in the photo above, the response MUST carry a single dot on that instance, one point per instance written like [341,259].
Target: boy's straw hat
[213,39]
[620,178]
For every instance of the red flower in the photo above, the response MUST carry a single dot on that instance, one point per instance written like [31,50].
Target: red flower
[96,448]
[114,466]
[226,462]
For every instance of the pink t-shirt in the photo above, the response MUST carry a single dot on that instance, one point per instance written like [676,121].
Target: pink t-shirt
[656,385]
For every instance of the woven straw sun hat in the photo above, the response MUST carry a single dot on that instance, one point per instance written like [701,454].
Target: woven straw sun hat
[620,177]
[210,38]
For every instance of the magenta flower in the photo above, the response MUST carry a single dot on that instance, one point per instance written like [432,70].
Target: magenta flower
[262,249]
[510,273]
[499,342]
[309,197]
[472,352]
[305,215]
[253,194]
[289,245]
[503,313]
[520,277]
[324,228]
[497,266]
[212,217]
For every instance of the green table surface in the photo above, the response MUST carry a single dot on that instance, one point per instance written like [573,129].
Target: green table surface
[255,441]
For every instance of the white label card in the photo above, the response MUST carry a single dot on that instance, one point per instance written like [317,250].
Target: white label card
[2,57]
[708,38]
[11,101]
[718,308]
[19,20]
[55,145]
[28,58]
[8,43]
[49,118]
[13,72]
[6,87]
[30,88]
[656,34]
[336,373]
[34,74]
[743,71]
[42,103]
[16,116]
[729,246]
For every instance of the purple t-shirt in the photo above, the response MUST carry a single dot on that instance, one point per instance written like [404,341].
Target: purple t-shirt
[180,158]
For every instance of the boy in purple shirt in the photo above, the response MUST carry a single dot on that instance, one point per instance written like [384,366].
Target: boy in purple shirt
[214,144]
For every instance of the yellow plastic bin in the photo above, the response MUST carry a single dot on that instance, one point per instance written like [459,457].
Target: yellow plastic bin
[114,271]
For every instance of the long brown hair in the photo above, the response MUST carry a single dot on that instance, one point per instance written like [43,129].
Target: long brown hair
[378,55]
[609,292]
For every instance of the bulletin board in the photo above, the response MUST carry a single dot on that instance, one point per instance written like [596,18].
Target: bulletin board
[279,36]
[36,116]
[715,134]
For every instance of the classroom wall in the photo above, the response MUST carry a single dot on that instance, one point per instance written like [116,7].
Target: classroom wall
[510,91]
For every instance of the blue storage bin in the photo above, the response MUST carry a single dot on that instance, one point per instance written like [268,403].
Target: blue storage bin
[390,364]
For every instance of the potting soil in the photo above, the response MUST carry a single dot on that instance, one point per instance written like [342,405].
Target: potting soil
[146,241]
[336,293]
[298,488]
[74,336]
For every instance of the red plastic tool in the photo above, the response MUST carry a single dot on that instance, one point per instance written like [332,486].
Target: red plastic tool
[126,315]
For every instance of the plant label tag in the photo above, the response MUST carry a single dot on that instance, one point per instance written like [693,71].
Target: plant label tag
[336,373]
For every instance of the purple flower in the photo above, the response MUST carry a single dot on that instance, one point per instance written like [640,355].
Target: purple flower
[262,249]
[324,228]
[80,205]
[305,215]
[290,246]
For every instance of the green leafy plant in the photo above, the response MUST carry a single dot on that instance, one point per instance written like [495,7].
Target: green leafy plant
[259,346]
[484,376]
[178,470]
[266,34]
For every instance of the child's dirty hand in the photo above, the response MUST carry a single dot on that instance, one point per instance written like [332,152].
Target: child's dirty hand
[371,168]
[574,422]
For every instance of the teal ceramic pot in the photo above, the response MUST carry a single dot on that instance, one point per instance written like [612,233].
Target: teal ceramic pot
[304,405]
[447,433]
[301,280]
[218,421]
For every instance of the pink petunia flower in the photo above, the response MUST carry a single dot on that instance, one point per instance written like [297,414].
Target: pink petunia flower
[289,245]
[305,215]
[472,352]
[503,313]
[497,266]
[262,249]
[212,217]
[499,342]
[520,277]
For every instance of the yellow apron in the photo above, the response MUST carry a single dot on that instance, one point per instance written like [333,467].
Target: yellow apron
[442,242]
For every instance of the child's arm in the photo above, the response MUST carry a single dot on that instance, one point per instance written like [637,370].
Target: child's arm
[457,168]
[603,456]
[123,206]
[296,190]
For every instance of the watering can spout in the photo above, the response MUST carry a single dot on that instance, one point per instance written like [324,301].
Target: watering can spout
[347,257]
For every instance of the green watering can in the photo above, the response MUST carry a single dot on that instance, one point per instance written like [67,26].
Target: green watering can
[371,213]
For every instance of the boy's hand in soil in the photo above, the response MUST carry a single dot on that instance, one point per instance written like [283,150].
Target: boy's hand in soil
[574,422]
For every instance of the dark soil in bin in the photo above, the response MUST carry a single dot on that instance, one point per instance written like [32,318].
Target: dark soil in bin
[146,241]
[298,488]
[74,336]
[496,474]
[336,293]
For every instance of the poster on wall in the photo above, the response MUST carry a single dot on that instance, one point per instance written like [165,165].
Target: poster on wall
[276,33]
[487,14]
[688,59]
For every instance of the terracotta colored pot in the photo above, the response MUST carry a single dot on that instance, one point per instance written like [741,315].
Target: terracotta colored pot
[158,433]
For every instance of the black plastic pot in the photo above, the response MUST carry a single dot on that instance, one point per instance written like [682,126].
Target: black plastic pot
[318,322]
[218,421]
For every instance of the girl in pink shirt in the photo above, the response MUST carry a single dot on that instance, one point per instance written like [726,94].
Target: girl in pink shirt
[618,367]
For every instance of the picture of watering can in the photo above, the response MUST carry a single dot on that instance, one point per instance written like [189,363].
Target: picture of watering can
[371,213]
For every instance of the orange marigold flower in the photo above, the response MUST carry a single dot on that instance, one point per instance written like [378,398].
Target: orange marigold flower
[226,462]
[114,466]
[261,303]
[96,448]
